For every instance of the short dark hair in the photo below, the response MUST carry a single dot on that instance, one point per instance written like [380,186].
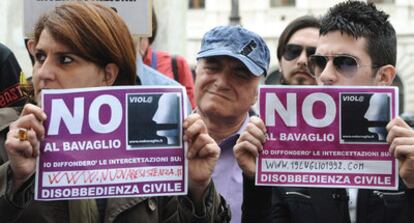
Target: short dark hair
[361,19]
[297,24]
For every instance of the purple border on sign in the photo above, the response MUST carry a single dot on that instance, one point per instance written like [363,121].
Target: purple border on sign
[311,144]
[86,156]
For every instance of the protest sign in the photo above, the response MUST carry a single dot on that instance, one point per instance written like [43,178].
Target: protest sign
[327,137]
[112,142]
[135,13]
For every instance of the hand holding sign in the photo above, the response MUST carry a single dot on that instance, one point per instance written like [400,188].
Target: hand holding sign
[401,140]
[249,145]
[22,153]
[203,153]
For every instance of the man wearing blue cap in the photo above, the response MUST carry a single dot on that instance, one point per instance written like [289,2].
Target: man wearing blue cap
[229,66]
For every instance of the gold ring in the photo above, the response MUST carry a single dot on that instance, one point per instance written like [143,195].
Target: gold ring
[22,134]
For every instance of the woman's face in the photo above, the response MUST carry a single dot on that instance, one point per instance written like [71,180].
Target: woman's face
[57,67]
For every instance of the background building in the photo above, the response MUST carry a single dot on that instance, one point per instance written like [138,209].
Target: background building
[182,23]
[268,18]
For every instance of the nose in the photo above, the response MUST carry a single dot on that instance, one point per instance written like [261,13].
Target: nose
[303,58]
[46,71]
[328,75]
[222,79]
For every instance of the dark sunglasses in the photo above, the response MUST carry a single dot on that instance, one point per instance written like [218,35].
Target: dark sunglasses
[293,51]
[345,64]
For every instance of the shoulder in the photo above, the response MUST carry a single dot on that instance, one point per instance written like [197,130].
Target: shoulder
[5,52]
[151,76]
[163,55]
[181,60]
[8,115]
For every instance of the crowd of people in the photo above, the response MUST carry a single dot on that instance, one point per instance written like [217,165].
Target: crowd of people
[83,44]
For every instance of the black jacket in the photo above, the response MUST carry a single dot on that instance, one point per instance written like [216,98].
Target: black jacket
[320,205]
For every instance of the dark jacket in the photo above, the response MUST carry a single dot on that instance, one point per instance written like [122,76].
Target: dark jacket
[320,205]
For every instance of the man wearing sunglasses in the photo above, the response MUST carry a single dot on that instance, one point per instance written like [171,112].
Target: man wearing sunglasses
[357,46]
[296,43]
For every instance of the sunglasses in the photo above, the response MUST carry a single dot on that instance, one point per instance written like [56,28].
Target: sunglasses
[344,64]
[293,51]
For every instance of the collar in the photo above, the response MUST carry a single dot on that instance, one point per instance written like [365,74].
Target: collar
[233,137]
[8,115]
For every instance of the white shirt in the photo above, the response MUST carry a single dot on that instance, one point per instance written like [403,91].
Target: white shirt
[352,203]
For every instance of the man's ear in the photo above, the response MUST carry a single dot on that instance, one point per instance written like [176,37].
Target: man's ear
[111,73]
[385,75]
[256,96]
[197,70]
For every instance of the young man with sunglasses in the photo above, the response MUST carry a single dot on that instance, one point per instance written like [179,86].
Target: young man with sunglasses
[296,43]
[357,46]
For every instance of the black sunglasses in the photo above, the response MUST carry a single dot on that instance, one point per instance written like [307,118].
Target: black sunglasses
[346,65]
[293,51]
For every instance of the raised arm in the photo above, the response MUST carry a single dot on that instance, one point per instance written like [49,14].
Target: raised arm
[22,147]
[203,153]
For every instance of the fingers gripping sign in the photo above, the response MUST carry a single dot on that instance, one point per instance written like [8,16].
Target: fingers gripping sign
[401,140]
[249,145]
[203,151]
[23,141]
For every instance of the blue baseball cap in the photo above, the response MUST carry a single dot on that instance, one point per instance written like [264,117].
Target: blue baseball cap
[239,43]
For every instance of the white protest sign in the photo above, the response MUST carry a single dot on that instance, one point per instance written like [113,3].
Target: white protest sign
[135,13]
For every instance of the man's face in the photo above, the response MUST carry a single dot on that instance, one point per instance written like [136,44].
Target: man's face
[335,43]
[224,88]
[295,70]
